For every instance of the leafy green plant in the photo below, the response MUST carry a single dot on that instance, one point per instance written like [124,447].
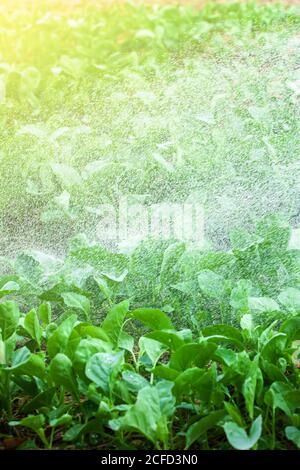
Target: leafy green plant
[221,387]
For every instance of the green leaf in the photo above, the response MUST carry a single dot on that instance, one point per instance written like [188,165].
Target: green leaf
[20,356]
[42,399]
[2,352]
[211,284]
[154,349]
[196,430]
[26,363]
[85,350]
[272,372]
[153,318]
[67,175]
[171,256]
[249,387]
[32,326]
[102,368]
[29,268]
[165,372]
[8,286]
[78,301]
[61,373]
[74,432]
[239,439]
[126,342]
[34,422]
[86,329]
[290,298]
[186,380]
[262,304]
[170,338]
[59,339]
[34,366]
[9,319]
[61,421]
[247,322]
[276,397]
[134,381]
[234,413]
[273,349]
[144,416]
[201,383]
[291,327]
[114,321]
[193,354]
[167,400]
[224,330]
[293,434]
[240,294]
[44,313]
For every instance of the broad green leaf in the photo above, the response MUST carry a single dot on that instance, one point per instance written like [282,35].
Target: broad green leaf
[239,439]
[74,432]
[274,347]
[77,301]
[272,372]
[114,321]
[134,381]
[34,422]
[20,356]
[235,413]
[223,330]
[171,256]
[62,373]
[144,416]
[42,399]
[240,294]
[276,397]
[225,356]
[59,339]
[293,434]
[67,175]
[61,421]
[29,268]
[291,327]
[33,366]
[44,313]
[126,342]
[170,338]
[9,319]
[9,287]
[247,322]
[262,304]
[165,372]
[102,368]
[193,354]
[152,318]
[167,400]
[25,363]
[154,349]
[211,284]
[85,350]
[186,380]
[87,330]
[196,430]
[290,298]
[32,326]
